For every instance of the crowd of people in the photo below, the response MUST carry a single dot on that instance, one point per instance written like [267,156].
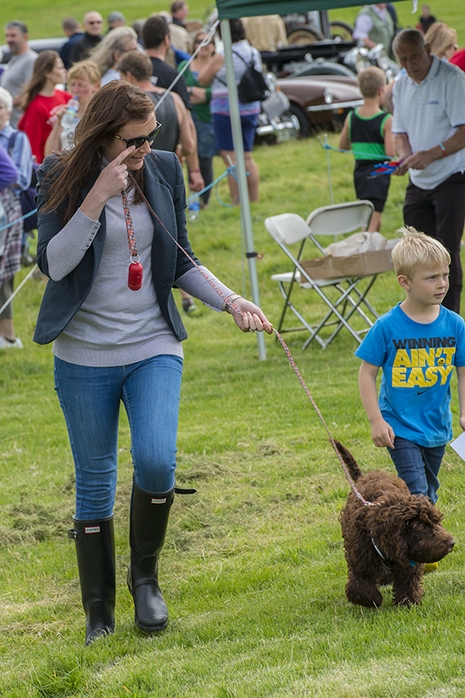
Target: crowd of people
[90,115]
[50,93]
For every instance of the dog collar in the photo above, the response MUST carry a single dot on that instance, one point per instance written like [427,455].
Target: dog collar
[383,557]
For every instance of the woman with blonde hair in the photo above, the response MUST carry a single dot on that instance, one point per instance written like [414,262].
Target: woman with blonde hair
[83,83]
[113,242]
[40,100]
[109,51]
[442,40]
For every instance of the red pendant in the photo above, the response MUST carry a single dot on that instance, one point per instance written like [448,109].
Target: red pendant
[135,273]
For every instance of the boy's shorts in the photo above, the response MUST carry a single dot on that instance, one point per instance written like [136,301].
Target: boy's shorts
[375,190]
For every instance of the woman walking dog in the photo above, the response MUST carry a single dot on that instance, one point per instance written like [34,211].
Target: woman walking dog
[104,211]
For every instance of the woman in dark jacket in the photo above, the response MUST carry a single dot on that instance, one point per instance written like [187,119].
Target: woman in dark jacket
[113,241]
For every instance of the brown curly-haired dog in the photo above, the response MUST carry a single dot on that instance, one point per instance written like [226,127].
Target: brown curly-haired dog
[387,541]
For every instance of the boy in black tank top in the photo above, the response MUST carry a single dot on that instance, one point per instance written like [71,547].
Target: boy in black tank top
[367,130]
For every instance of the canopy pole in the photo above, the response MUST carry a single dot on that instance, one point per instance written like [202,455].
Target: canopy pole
[246,219]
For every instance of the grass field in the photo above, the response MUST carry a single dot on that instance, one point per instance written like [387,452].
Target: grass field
[253,568]
[44,17]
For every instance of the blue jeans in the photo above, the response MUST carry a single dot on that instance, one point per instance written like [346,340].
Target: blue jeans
[90,399]
[418,466]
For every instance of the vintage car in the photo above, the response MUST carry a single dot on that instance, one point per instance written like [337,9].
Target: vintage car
[320,101]
[37,45]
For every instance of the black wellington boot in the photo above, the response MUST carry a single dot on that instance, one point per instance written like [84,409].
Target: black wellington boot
[95,552]
[148,523]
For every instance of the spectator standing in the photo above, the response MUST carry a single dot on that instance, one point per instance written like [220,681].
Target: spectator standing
[431,143]
[92,24]
[136,68]
[181,43]
[266,32]
[214,74]
[83,82]
[374,25]
[426,19]
[71,28]
[179,11]
[109,51]
[156,37]
[15,152]
[19,68]
[114,20]
[368,131]
[200,99]
[393,12]
[41,99]
[458,59]
[442,40]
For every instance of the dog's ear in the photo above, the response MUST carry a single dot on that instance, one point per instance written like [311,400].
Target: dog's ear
[425,511]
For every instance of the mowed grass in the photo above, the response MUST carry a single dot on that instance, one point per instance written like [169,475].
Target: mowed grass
[253,568]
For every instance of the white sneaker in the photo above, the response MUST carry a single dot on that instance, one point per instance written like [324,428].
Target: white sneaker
[5,344]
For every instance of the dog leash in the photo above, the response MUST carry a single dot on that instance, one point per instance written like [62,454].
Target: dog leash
[278,336]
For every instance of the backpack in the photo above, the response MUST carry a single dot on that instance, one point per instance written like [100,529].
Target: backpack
[252,86]
[27,196]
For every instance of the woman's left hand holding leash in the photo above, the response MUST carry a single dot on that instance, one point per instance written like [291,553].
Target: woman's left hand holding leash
[248,316]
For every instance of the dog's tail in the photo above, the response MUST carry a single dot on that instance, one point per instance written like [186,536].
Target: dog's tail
[349,460]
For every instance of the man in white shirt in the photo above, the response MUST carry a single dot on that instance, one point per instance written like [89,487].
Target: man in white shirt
[429,134]
[20,66]
[374,25]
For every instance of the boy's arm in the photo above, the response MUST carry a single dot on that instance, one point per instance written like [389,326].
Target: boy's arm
[389,146]
[461,391]
[344,140]
[381,432]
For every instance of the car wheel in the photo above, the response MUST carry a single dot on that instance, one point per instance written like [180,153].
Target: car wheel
[304,124]
[341,30]
[303,36]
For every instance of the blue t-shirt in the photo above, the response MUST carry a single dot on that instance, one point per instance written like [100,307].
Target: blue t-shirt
[417,361]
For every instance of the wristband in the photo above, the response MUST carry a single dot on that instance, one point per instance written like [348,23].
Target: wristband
[190,171]
[444,154]
[229,301]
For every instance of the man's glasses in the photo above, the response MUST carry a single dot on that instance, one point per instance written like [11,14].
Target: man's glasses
[139,141]
[96,21]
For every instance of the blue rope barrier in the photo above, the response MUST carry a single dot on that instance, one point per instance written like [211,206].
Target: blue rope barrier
[228,171]
[356,153]
[26,215]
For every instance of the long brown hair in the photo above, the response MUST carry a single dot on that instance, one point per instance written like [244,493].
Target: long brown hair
[44,64]
[109,110]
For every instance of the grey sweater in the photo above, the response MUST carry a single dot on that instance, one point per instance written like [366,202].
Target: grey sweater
[116,326]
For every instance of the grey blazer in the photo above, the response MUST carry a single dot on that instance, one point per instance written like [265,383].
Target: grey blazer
[164,189]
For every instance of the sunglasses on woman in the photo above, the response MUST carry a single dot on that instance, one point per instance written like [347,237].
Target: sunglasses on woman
[139,141]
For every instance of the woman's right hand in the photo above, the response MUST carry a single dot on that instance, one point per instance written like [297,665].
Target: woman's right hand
[112,180]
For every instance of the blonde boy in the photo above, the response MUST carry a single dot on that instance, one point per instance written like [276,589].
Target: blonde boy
[417,344]
[367,130]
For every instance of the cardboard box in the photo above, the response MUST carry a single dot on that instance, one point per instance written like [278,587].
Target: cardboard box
[356,265]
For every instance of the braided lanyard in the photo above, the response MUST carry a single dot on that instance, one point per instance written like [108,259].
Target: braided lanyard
[136,270]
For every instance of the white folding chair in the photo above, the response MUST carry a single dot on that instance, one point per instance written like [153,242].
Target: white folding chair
[348,299]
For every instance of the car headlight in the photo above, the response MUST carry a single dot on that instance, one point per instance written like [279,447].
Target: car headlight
[328,96]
